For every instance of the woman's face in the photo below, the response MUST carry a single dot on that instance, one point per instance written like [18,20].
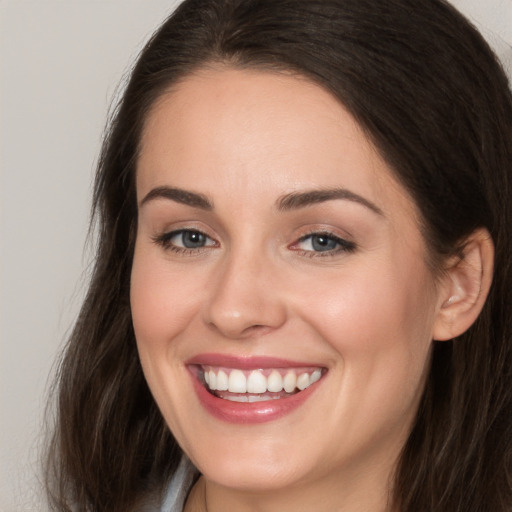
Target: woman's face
[274,248]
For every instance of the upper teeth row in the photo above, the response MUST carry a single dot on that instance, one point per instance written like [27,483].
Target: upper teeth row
[235,381]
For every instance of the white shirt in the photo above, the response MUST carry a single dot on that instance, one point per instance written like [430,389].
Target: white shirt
[176,494]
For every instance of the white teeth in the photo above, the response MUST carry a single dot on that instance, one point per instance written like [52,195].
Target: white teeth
[302,381]
[289,382]
[256,383]
[315,376]
[222,381]
[275,382]
[238,398]
[237,382]
[212,380]
[255,398]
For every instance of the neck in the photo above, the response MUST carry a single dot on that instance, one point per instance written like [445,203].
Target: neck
[367,492]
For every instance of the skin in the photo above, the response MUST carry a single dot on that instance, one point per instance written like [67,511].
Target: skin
[244,139]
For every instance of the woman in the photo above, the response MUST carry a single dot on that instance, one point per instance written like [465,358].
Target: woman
[302,292]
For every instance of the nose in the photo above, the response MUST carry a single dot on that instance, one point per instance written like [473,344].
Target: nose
[244,297]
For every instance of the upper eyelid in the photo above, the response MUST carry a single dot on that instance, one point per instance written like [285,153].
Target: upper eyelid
[321,233]
[345,245]
[325,234]
[183,226]
[174,232]
[327,231]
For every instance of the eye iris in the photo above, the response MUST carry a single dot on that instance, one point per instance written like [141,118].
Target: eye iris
[193,239]
[323,243]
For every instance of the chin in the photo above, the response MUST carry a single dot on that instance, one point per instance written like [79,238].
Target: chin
[254,463]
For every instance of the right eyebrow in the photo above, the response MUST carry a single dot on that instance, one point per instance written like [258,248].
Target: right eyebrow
[179,196]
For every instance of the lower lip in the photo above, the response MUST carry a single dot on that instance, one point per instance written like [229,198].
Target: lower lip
[250,412]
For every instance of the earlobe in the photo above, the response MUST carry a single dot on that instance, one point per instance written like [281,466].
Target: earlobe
[465,286]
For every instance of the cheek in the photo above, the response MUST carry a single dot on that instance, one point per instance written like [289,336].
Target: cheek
[162,305]
[378,321]
[160,312]
[373,304]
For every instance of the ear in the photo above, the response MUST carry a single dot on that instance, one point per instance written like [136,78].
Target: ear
[465,286]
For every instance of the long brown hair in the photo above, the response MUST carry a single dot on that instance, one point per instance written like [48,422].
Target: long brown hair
[430,94]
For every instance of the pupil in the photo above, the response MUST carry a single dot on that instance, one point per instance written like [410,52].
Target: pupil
[193,239]
[323,243]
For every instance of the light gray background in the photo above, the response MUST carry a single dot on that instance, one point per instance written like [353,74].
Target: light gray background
[61,62]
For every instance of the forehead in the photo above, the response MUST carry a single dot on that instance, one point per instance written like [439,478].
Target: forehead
[236,131]
[229,104]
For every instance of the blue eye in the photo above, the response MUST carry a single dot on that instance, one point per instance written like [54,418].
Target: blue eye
[189,239]
[324,243]
[185,240]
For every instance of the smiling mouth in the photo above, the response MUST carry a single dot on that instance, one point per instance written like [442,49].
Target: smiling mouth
[257,385]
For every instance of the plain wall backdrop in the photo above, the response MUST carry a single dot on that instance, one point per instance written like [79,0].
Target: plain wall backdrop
[61,62]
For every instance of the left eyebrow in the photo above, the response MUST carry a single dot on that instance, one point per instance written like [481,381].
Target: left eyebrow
[296,200]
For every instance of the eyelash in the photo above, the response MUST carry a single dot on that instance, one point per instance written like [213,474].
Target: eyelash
[164,240]
[342,245]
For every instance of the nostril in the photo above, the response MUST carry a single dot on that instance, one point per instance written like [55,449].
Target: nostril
[240,331]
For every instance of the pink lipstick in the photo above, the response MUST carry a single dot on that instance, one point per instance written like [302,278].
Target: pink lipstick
[252,389]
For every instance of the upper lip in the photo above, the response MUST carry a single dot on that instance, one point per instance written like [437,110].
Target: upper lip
[247,362]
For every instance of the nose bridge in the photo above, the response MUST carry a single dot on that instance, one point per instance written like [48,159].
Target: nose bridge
[244,297]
